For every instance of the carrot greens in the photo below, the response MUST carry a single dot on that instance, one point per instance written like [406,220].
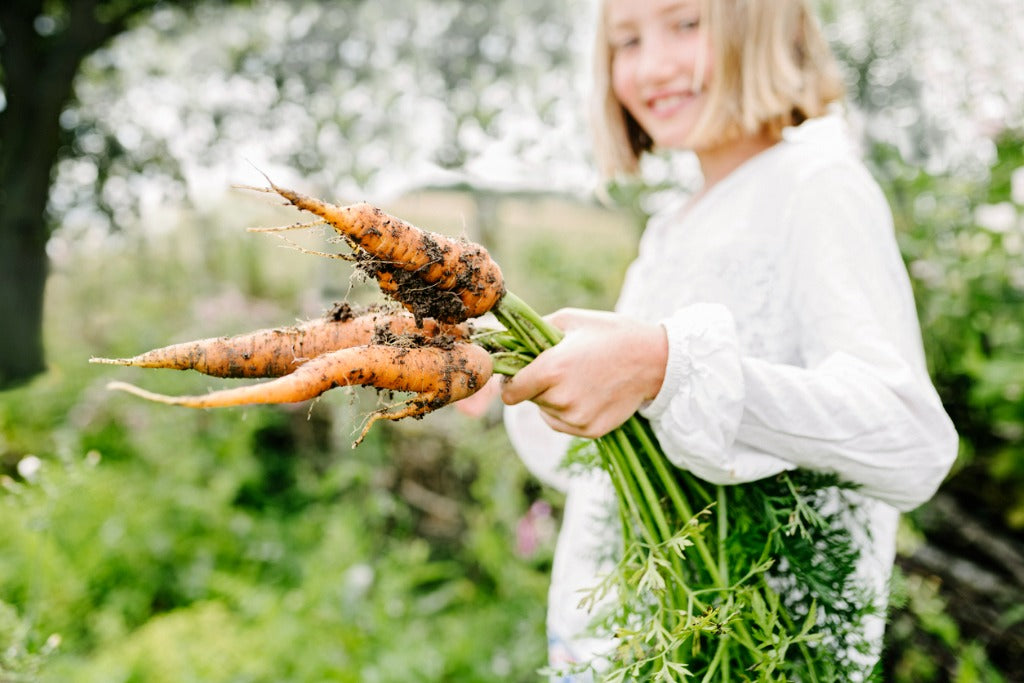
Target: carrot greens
[752,582]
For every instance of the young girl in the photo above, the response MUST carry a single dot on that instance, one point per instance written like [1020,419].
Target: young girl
[767,323]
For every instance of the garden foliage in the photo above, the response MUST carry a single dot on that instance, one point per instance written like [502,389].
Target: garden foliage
[146,543]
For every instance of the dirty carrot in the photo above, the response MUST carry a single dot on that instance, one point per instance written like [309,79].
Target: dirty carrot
[279,351]
[413,264]
[436,374]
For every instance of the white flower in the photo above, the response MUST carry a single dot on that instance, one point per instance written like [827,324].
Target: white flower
[29,466]
[1017,186]
[999,217]
[358,579]
[928,272]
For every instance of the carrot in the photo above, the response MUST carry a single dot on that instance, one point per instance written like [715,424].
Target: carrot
[414,266]
[279,351]
[436,374]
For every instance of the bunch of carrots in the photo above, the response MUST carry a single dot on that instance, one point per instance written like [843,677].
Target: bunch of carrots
[425,350]
[694,599]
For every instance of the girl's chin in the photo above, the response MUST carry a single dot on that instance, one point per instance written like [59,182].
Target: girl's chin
[672,135]
[675,142]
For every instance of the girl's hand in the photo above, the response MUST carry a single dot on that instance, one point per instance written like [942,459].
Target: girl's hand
[592,381]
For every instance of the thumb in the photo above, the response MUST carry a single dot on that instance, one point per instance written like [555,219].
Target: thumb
[567,319]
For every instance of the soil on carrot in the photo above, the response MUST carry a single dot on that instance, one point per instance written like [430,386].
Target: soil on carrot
[461,365]
[442,395]
[341,312]
[471,280]
[406,287]
[432,275]
[419,404]
[383,334]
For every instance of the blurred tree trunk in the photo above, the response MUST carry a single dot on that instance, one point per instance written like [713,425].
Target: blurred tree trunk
[37,83]
[38,63]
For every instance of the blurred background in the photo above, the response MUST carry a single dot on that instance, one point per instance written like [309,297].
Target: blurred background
[147,543]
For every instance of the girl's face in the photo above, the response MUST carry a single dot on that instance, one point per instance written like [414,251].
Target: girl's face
[660,65]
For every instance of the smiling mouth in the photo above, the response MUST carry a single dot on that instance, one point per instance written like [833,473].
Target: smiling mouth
[667,103]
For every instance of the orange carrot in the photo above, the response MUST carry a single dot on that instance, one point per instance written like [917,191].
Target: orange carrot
[412,263]
[437,375]
[279,351]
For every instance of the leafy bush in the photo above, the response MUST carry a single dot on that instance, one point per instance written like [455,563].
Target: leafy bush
[962,236]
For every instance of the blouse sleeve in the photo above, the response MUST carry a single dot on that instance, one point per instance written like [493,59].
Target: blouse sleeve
[860,404]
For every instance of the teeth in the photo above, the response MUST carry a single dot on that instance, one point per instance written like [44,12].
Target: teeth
[667,102]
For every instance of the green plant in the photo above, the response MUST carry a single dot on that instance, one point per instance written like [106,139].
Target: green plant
[697,591]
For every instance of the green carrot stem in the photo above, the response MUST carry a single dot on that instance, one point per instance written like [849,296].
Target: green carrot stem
[723,574]
[508,363]
[669,483]
[548,332]
[677,591]
[632,495]
[810,661]
[651,499]
[518,317]
[632,464]
[523,332]
[718,660]
[787,621]
[627,512]
[723,533]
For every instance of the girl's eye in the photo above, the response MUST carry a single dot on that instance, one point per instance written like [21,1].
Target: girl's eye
[687,24]
[624,43]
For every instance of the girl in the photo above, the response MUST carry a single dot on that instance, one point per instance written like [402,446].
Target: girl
[767,323]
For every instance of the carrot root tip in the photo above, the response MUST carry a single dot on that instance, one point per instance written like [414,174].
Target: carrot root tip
[293,226]
[254,188]
[412,408]
[143,393]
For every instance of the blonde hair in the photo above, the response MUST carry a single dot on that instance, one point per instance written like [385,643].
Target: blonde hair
[772,69]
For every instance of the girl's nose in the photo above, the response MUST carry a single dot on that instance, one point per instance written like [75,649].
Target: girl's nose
[657,63]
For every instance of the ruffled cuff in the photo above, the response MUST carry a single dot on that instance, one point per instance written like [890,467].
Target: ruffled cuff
[697,412]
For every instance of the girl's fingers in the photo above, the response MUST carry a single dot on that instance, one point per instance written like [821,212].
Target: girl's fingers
[560,425]
[513,392]
[530,383]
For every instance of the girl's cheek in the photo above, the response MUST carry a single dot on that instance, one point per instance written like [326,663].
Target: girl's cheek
[622,83]
[708,59]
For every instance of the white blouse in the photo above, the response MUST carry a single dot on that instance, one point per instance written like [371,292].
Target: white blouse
[793,342]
